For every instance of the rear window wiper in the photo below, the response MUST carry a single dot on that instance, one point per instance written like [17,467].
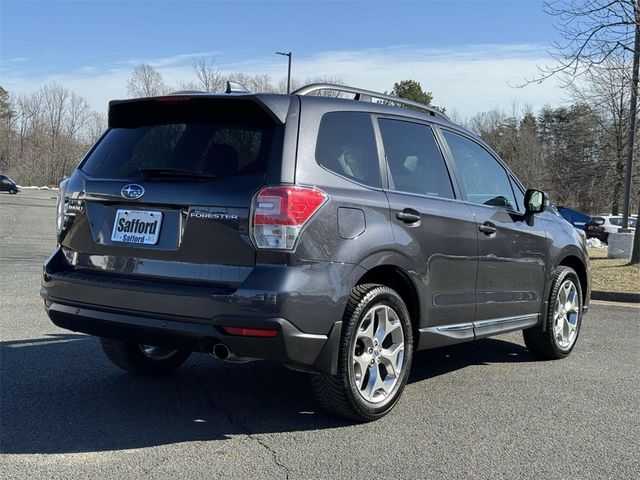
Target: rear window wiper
[151,173]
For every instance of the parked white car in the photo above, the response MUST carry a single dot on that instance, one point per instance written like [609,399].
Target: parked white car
[602,225]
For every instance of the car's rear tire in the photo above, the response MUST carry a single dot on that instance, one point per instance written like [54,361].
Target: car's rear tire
[143,359]
[564,318]
[374,359]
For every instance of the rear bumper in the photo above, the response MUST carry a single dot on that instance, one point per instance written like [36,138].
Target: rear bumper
[304,303]
[290,346]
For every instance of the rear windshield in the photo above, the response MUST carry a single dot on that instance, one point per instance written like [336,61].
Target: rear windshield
[181,138]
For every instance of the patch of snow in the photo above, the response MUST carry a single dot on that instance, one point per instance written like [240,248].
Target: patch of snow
[595,243]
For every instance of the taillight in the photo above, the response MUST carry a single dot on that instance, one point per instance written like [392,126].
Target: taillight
[280,213]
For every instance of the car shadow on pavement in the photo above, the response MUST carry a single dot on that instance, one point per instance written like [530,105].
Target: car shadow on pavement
[60,395]
[439,361]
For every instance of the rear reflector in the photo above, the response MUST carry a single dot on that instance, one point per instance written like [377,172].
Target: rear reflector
[250,332]
[279,213]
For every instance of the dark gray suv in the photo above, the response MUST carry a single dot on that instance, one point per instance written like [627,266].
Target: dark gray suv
[337,236]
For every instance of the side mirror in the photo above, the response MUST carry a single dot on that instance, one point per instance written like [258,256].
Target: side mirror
[535,201]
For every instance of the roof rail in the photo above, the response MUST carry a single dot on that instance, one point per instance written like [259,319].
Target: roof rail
[368,95]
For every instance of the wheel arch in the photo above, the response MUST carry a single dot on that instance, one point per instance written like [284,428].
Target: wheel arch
[575,259]
[399,280]
[580,267]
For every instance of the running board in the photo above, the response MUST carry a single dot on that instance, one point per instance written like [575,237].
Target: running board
[487,328]
[432,337]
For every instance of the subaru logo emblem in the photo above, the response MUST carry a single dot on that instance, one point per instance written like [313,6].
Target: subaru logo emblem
[132,191]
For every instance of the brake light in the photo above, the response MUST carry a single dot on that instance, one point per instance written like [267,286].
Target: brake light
[280,213]
[173,98]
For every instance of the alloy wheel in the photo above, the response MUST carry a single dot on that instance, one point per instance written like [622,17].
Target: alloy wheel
[566,315]
[378,354]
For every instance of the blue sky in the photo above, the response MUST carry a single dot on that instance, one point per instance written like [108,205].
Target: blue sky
[452,47]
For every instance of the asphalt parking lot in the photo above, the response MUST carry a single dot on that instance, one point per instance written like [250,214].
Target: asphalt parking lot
[483,410]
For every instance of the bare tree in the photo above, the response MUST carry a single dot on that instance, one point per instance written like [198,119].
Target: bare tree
[594,31]
[97,126]
[7,116]
[605,90]
[296,84]
[51,130]
[255,83]
[209,75]
[145,81]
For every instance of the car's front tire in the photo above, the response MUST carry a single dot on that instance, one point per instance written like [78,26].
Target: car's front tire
[564,318]
[143,359]
[13,191]
[375,353]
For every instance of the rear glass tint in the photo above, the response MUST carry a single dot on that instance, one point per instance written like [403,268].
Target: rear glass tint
[208,148]
[214,139]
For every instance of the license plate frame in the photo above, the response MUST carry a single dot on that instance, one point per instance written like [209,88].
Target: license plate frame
[136,227]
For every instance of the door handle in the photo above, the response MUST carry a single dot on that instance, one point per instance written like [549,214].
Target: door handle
[488,228]
[408,215]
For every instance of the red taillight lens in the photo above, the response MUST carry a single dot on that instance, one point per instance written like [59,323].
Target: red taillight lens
[251,332]
[279,213]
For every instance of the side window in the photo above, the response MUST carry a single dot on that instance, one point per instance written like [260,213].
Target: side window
[415,162]
[347,146]
[484,179]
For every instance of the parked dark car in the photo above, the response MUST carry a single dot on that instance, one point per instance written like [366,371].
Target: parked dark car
[7,184]
[574,217]
[335,236]
[595,229]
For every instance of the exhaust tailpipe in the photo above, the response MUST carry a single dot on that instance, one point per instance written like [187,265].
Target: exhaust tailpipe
[222,352]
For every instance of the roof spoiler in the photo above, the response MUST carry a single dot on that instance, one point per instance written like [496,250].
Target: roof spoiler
[276,107]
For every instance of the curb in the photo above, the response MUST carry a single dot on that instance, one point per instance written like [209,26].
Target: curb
[615,296]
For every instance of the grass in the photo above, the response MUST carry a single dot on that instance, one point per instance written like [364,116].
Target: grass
[613,275]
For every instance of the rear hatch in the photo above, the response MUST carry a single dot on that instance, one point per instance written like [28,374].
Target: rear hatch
[166,192]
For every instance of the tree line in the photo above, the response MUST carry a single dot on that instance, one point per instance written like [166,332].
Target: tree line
[575,152]
[45,133]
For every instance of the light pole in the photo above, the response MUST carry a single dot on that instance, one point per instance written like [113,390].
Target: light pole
[287,54]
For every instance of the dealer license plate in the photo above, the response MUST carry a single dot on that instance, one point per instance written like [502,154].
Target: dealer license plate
[137,226]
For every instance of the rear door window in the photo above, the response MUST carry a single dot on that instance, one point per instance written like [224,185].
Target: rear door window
[346,145]
[415,162]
